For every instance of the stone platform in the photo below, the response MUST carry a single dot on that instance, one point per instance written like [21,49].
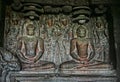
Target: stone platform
[94,72]
[36,76]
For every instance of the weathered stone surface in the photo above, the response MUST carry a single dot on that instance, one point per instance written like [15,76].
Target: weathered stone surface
[36,77]
[56,29]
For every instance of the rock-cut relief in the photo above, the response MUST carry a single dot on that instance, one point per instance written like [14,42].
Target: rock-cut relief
[89,48]
[31,49]
[101,40]
[57,33]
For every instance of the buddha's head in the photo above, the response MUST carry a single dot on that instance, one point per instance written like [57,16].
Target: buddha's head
[30,29]
[81,32]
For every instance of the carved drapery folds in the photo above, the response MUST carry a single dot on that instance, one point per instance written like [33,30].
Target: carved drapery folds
[58,38]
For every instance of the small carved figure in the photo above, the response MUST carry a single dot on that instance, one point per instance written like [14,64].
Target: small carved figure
[101,40]
[49,40]
[11,41]
[31,49]
[62,43]
[50,27]
[66,32]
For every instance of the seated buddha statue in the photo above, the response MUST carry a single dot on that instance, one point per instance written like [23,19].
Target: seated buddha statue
[78,50]
[31,49]
[80,53]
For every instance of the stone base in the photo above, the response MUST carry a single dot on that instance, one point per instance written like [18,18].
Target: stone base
[89,72]
[25,76]
[91,69]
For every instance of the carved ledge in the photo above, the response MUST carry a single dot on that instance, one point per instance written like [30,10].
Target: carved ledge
[37,77]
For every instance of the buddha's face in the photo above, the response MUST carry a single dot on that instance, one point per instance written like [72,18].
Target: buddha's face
[30,30]
[81,32]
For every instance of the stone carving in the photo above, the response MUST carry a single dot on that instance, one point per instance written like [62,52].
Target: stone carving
[80,42]
[8,62]
[63,38]
[16,4]
[101,9]
[12,34]
[47,33]
[31,10]
[57,41]
[82,47]
[78,50]
[12,31]
[101,40]
[30,49]
[59,2]
[57,33]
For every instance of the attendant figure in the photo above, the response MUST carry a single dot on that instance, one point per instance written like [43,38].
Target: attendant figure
[101,41]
